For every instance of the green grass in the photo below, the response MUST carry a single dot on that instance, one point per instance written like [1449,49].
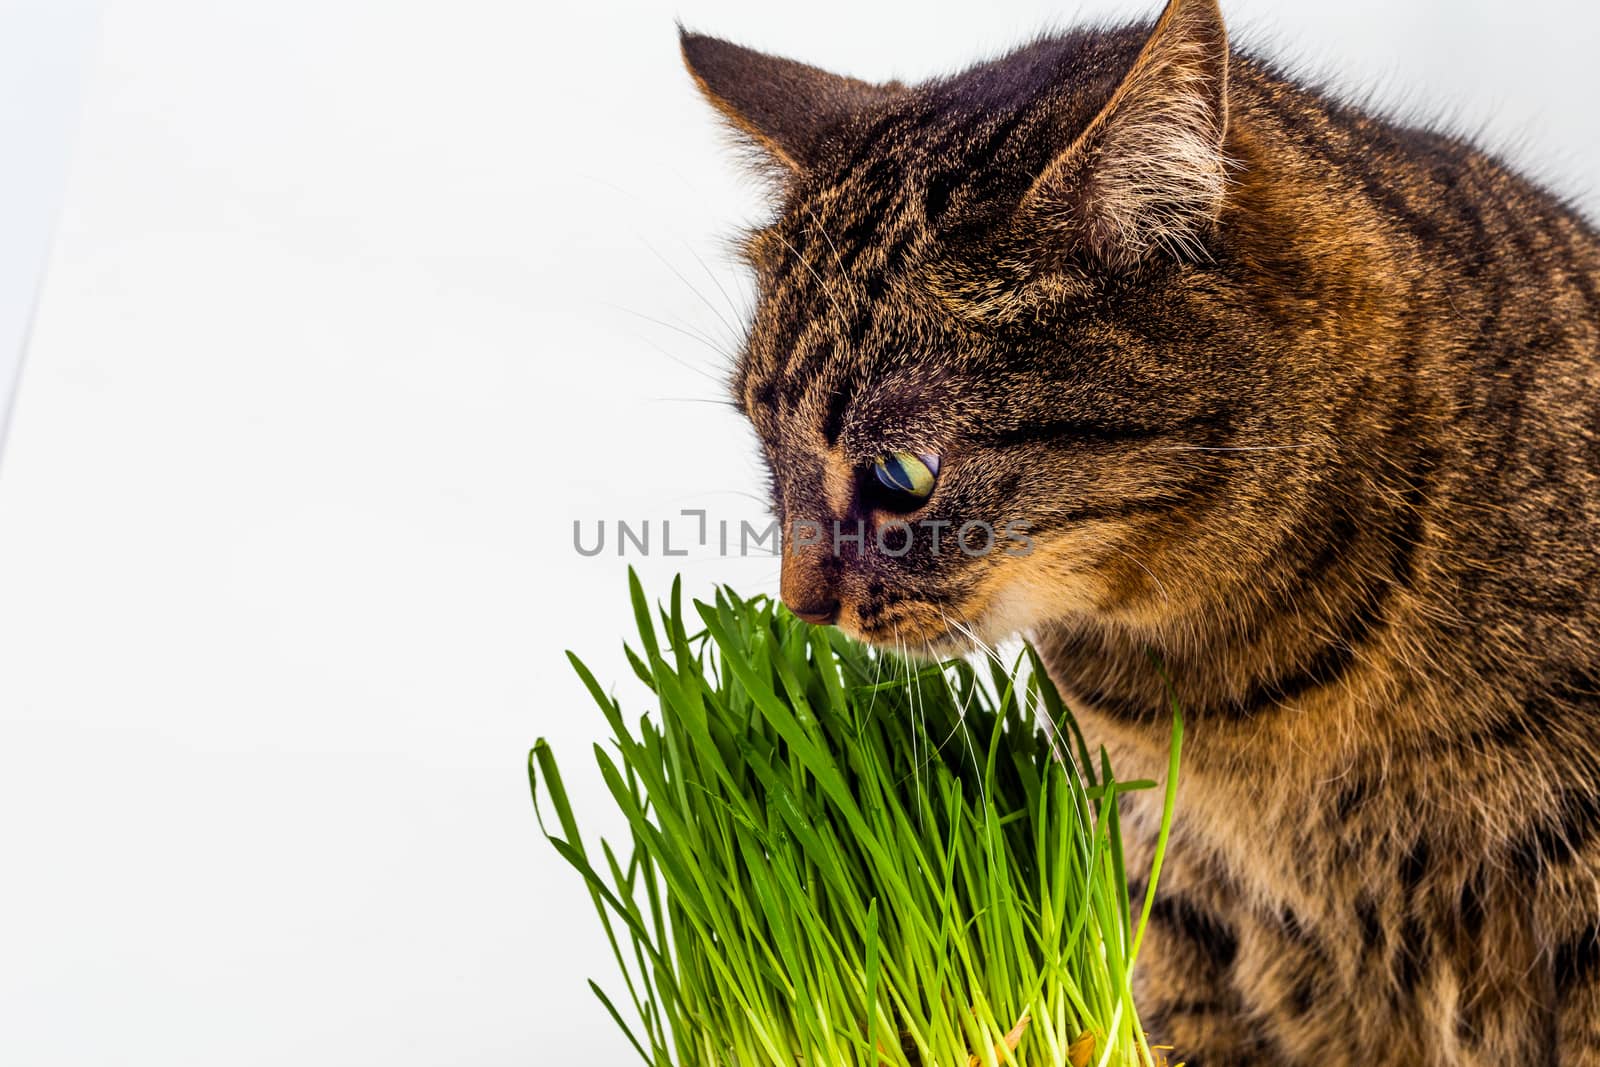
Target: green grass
[837,857]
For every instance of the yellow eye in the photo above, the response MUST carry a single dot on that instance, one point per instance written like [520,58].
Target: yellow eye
[902,481]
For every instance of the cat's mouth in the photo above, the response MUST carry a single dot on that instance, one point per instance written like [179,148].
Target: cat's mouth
[991,612]
[913,628]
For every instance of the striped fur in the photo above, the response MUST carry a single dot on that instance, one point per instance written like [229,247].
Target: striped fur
[1299,402]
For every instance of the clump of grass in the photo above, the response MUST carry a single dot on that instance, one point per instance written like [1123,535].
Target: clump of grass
[839,858]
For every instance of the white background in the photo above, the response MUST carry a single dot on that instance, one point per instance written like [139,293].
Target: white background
[44,47]
[353,309]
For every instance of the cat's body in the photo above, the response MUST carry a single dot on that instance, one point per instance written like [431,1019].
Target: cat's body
[1389,841]
[1297,402]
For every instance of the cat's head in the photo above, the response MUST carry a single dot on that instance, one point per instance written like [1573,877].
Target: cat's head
[1007,329]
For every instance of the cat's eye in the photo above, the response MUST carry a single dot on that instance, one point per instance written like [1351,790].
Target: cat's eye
[900,481]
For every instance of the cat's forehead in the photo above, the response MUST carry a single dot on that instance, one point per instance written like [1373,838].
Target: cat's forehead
[853,403]
[869,274]
[853,374]
[840,279]
[982,134]
[842,231]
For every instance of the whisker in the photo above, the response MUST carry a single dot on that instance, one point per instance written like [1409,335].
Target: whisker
[837,261]
[704,339]
[685,364]
[738,315]
[729,404]
[1236,448]
[656,209]
[1125,554]
[827,291]
[911,696]
[877,674]
[971,635]
[691,286]
[761,500]
[972,749]
[1040,714]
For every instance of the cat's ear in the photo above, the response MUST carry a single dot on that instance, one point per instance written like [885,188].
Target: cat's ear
[1148,174]
[785,108]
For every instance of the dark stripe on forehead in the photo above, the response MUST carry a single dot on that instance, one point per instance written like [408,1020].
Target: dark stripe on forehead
[824,384]
[943,186]
[795,267]
[766,394]
[875,177]
[784,270]
[860,327]
[829,361]
[838,403]
[861,232]
[803,356]
[851,239]
[868,143]
[895,255]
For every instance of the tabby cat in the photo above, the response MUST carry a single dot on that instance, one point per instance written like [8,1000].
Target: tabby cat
[1297,403]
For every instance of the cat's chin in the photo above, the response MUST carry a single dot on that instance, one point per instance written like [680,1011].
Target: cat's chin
[950,646]
[923,631]
[930,646]
[927,651]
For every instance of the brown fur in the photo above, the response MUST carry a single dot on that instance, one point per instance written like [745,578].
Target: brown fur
[1302,404]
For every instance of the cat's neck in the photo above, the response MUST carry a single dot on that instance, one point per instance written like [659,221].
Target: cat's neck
[1307,627]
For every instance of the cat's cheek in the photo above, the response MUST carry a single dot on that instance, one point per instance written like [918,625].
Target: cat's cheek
[1034,580]
[904,625]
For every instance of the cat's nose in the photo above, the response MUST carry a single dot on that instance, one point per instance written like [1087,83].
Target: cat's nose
[818,613]
[809,582]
